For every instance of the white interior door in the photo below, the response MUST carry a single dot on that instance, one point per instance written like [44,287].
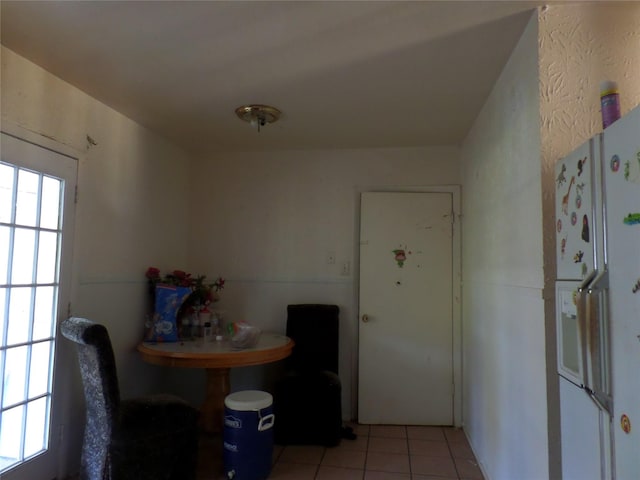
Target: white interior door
[406,318]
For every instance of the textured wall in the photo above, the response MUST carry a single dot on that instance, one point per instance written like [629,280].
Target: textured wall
[503,319]
[580,45]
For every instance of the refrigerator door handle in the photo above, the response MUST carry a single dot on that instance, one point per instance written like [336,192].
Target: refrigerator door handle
[597,354]
[581,318]
[603,402]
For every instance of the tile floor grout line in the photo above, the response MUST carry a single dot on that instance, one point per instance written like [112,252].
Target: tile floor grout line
[455,465]
[406,433]
[315,476]
[366,456]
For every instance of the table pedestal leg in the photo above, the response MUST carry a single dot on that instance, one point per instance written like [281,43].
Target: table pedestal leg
[212,410]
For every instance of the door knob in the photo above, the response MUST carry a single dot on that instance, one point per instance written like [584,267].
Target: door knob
[365,318]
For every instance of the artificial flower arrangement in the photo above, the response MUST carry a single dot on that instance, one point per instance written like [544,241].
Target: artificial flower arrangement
[176,295]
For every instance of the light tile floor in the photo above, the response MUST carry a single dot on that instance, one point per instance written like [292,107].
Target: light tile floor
[379,453]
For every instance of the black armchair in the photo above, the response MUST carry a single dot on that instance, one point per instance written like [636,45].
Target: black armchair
[307,400]
[147,438]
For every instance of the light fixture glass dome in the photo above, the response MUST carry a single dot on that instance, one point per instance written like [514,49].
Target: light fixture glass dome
[258,115]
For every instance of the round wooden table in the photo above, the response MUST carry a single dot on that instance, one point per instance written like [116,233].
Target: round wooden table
[217,358]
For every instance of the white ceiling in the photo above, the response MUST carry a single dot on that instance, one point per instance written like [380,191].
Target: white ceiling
[345,74]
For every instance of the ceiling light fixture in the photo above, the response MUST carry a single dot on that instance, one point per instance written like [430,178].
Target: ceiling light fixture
[258,115]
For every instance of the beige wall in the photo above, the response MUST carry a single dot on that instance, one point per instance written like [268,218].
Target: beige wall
[504,355]
[269,220]
[580,45]
[130,214]
[266,222]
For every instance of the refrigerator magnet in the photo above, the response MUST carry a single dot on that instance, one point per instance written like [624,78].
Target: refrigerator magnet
[559,226]
[615,163]
[581,163]
[561,178]
[585,228]
[577,258]
[632,172]
[565,197]
[632,219]
[636,287]
[625,424]
[574,218]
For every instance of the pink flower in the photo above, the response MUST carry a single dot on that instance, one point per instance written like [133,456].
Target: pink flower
[153,273]
[202,293]
[219,284]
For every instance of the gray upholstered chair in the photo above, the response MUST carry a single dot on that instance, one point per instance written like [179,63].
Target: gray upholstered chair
[147,438]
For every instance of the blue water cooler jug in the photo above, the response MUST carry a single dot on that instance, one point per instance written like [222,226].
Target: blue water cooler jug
[248,435]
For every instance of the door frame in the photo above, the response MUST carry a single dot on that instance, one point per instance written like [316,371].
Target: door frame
[65,387]
[455,191]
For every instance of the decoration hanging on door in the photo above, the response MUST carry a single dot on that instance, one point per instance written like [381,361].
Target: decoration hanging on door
[400,256]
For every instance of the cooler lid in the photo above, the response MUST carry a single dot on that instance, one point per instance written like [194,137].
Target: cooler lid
[248,400]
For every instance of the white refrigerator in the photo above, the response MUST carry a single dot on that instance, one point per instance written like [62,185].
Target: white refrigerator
[598,304]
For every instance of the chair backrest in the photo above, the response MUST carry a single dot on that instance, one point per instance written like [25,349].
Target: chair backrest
[101,391]
[315,329]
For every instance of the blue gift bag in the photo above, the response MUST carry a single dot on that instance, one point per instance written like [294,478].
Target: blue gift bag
[168,300]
